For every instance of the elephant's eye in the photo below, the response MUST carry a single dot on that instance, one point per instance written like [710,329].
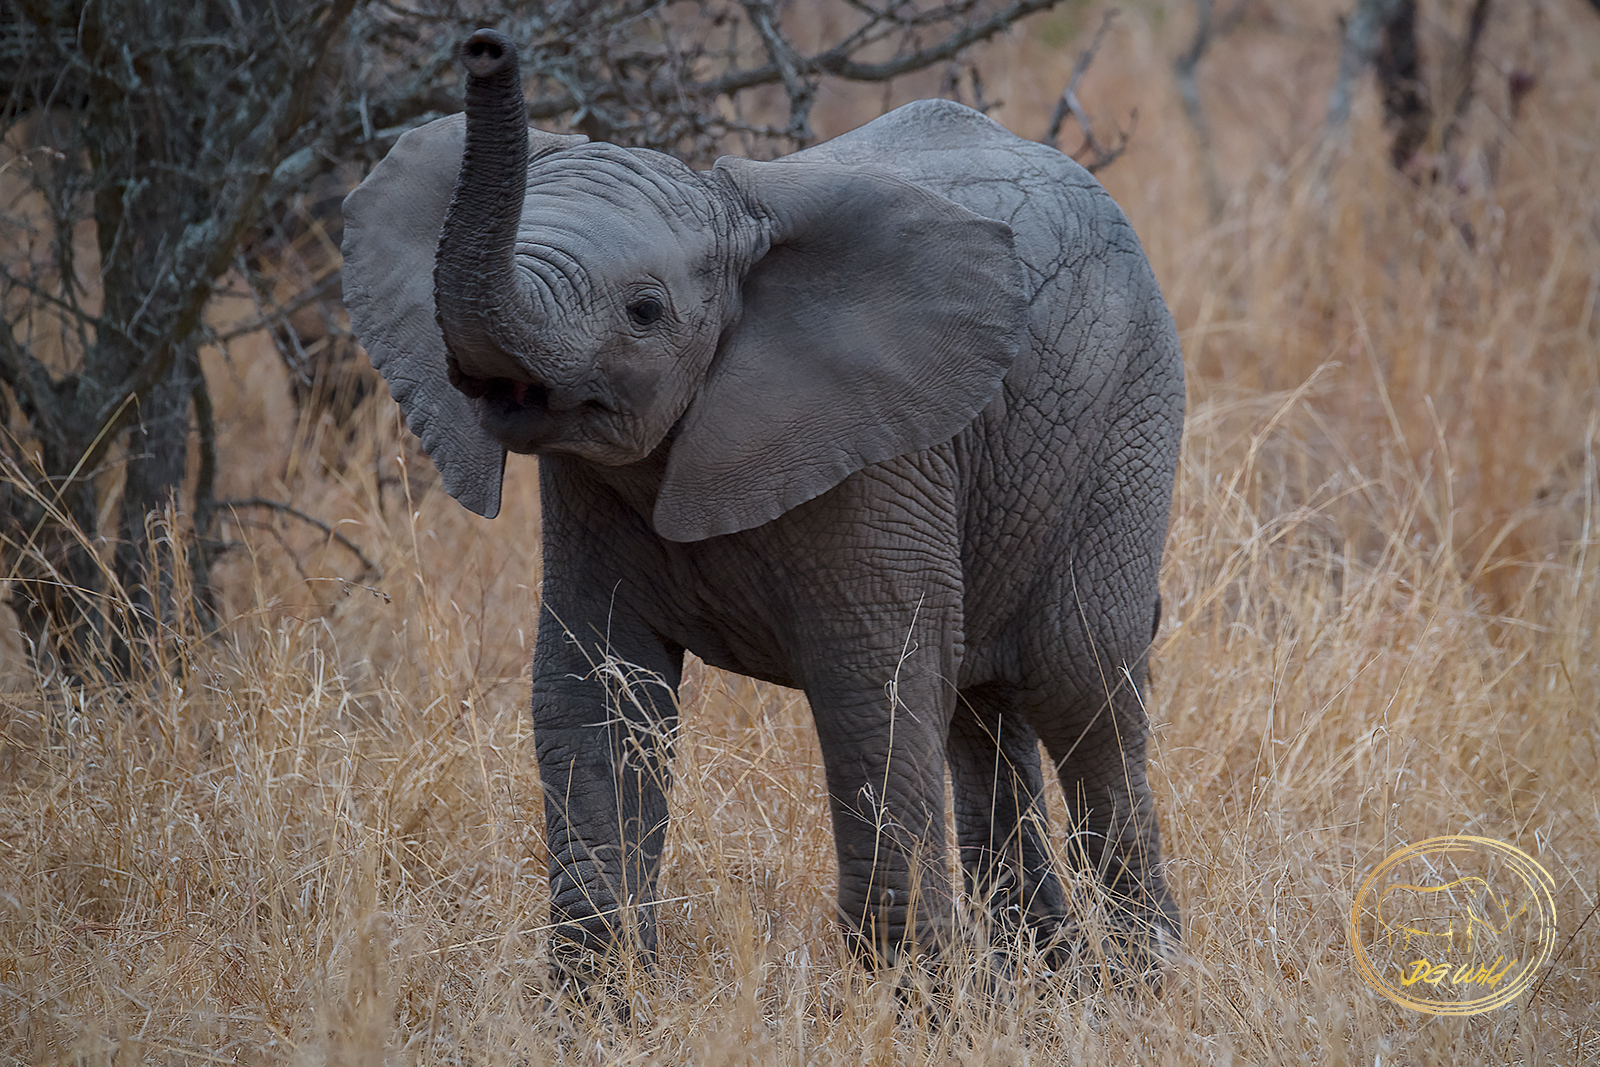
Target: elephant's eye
[645,311]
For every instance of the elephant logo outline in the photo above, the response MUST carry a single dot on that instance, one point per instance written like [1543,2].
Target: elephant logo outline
[1475,890]
[1498,915]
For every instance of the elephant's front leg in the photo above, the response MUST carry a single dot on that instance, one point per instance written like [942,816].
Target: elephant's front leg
[880,676]
[603,714]
[882,734]
[875,572]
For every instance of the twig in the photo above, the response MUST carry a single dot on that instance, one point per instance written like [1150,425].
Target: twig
[1466,70]
[1184,69]
[275,316]
[801,91]
[1560,955]
[1069,104]
[367,566]
[836,62]
[1103,157]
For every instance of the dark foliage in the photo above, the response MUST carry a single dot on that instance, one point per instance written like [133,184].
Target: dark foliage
[156,152]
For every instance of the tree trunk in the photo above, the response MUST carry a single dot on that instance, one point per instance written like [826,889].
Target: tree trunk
[1362,31]
[1405,96]
[158,450]
[56,586]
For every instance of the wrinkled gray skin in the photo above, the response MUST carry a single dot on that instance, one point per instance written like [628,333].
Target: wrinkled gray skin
[893,420]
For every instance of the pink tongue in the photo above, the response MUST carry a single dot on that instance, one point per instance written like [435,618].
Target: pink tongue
[519,393]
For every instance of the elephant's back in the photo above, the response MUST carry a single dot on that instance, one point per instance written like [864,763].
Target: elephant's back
[966,156]
[953,149]
[1080,447]
[1089,286]
[1097,321]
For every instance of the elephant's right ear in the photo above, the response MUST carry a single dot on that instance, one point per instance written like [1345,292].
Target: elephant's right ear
[391,233]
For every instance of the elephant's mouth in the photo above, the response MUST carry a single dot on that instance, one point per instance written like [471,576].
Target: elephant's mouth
[508,394]
[527,417]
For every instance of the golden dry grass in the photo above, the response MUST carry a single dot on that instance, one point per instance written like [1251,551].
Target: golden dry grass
[322,841]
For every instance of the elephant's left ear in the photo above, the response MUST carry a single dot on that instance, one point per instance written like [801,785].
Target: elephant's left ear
[879,322]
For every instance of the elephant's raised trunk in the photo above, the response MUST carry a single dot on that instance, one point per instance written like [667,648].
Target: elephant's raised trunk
[479,303]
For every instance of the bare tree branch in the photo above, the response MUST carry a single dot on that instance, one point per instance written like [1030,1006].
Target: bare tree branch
[1361,35]
[801,91]
[1465,71]
[205,496]
[1184,69]
[367,566]
[207,247]
[1398,64]
[1101,155]
[30,382]
[1068,104]
[836,62]
[842,67]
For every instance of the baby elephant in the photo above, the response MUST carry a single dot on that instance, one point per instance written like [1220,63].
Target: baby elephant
[893,420]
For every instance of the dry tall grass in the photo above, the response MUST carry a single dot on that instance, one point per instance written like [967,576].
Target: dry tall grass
[320,840]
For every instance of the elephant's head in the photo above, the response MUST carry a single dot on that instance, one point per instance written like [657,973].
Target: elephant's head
[782,324]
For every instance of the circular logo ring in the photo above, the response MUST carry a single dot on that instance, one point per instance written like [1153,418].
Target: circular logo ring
[1535,880]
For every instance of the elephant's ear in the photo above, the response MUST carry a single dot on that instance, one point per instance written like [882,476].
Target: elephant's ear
[391,232]
[880,321]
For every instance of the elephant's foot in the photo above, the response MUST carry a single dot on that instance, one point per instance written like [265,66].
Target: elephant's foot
[610,984]
[888,942]
[1123,953]
[604,959]
[895,909]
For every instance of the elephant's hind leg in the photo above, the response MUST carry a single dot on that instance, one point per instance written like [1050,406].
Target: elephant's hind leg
[1001,822]
[1097,742]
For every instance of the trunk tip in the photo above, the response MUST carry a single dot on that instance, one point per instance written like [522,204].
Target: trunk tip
[487,53]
